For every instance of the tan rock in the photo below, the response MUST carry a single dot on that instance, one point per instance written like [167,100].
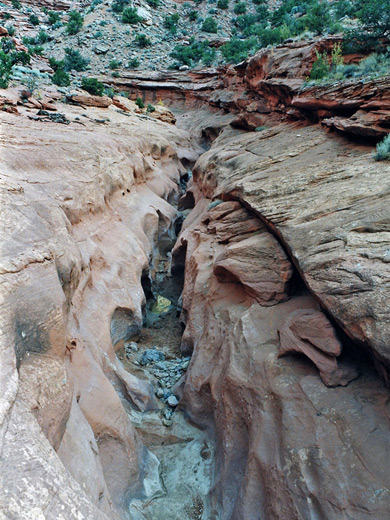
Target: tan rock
[83,211]
[280,431]
[125,104]
[309,332]
[90,101]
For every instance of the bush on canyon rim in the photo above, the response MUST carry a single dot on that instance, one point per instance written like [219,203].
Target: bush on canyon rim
[383,150]
[93,86]
[7,61]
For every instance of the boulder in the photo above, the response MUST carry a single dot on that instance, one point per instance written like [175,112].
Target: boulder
[90,101]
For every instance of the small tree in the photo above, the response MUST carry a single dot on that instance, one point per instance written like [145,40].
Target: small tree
[74,60]
[61,78]
[53,17]
[130,15]
[33,19]
[210,25]
[193,16]
[142,41]
[240,8]
[93,86]
[223,4]
[75,22]
[170,23]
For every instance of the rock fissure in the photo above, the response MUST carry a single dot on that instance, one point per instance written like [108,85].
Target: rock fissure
[180,364]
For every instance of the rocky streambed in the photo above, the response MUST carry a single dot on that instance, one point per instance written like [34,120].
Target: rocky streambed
[234,370]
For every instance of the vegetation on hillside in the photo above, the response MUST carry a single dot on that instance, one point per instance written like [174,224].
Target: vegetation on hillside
[202,33]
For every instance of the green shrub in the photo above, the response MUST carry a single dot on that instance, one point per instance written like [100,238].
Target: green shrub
[35,50]
[245,21]
[344,8]
[318,19]
[237,50]
[170,23]
[61,78]
[325,65]
[16,4]
[383,150]
[130,15]
[7,45]
[74,60]
[240,8]
[210,25]
[153,3]
[53,17]
[119,5]
[11,30]
[321,67]
[56,64]
[192,54]
[110,91]
[150,108]
[42,37]
[193,16]
[134,63]
[7,61]
[115,74]
[93,86]
[75,23]
[115,64]
[33,19]
[142,40]
[139,102]
[270,36]
[223,4]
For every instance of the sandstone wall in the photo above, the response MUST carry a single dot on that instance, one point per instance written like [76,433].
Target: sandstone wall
[285,253]
[84,210]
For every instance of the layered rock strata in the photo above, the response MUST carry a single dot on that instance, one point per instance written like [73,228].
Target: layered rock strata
[288,446]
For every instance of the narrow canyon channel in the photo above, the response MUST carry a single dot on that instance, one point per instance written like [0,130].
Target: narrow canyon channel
[194,321]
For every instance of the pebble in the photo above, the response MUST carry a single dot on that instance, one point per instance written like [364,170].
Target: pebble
[150,356]
[172,401]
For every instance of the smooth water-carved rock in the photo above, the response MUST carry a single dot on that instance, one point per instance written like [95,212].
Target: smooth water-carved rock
[281,432]
[83,210]
[309,332]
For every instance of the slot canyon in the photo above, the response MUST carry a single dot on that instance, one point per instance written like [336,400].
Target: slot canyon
[195,308]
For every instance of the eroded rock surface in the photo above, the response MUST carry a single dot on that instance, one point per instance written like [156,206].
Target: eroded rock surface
[85,210]
[288,446]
